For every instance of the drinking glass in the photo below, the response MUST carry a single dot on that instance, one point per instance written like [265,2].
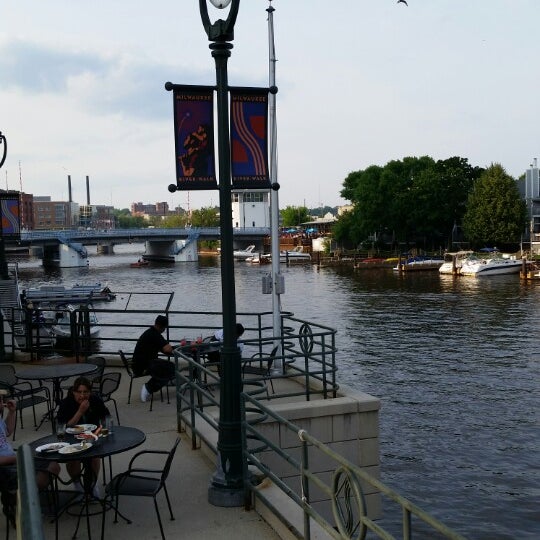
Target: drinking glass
[109,425]
[60,431]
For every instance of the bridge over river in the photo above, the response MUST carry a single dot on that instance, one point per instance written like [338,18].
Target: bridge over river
[66,248]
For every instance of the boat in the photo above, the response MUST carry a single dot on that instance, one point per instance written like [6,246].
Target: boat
[59,294]
[62,325]
[244,254]
[493,266]
[139,264]
[419,262]
[296,254]
[451,267]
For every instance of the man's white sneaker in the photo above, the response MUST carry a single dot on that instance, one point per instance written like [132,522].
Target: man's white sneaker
[145,394]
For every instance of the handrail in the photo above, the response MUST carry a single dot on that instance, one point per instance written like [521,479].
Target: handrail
[345,489]
[29,522]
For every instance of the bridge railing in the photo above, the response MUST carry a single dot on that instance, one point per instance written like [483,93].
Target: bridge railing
[28,236]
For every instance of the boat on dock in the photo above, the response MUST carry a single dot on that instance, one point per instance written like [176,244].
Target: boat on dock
[453,261]
[64,323]
[244,254]
[59,294]
[495,265]
[419,263]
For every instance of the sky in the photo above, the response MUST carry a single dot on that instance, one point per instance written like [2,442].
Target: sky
[361,82]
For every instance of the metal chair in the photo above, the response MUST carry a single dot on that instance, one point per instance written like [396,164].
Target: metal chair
[141,482]
[95,377]
[108,385]
[24,393]
[264,368]
[129,371]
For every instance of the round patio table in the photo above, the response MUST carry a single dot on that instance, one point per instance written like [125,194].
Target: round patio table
[56,374]
[123,438]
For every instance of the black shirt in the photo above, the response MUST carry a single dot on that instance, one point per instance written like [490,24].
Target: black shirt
[149,345]
[96,412]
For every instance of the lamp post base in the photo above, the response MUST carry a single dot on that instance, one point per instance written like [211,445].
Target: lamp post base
[225,497]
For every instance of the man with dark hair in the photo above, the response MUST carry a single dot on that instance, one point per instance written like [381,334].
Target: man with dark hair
[146,361]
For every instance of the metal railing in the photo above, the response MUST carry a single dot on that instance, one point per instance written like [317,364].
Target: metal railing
[308,358]
[345,491]
[29,521]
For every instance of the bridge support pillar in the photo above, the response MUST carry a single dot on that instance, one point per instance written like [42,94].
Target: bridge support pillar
[105,248]
[171,251]
[63,256]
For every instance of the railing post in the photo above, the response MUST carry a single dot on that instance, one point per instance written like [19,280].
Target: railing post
[305,486]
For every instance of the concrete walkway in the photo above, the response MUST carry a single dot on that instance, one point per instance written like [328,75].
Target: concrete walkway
[188,482]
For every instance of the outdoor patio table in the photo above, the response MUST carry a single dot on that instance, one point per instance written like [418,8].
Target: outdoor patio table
[55,374]
[123,438]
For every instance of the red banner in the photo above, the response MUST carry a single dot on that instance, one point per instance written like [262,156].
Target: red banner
[249,138]
[194,137]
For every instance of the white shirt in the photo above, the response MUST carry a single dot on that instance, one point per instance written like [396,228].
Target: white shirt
[218,334]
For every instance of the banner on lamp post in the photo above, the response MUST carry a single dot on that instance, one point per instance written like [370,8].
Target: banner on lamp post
[11,215]
[249,138]
[194,137]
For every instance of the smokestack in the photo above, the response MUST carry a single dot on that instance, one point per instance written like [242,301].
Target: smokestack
[87,191]
[70,199]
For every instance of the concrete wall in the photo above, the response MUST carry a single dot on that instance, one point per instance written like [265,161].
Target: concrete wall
[348,425]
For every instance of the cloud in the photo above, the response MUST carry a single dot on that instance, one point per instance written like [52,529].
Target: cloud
[115,84]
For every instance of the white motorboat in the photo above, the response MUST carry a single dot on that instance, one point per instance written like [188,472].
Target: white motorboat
[243,254]
[62,327]
[493,266]
[451,267]
[296,254]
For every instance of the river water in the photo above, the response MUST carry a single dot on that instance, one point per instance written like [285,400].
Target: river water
[455,363]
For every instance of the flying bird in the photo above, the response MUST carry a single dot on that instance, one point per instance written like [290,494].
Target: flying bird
[402,2]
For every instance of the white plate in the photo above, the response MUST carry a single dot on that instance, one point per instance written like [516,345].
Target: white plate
[75,448]
[52,447]
[79,428]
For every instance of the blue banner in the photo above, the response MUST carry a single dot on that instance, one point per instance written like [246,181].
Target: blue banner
[194,137]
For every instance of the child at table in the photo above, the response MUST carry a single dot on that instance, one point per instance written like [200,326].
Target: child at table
[82,407]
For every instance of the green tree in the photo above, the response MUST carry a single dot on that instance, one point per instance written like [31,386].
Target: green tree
[131,222]
[292,216]
[205,217]
[496,213]
[175,222]
[416,198]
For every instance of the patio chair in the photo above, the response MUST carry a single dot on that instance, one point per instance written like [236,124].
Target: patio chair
[131,375]
[129,371]
[109,384]
[142,482]
[95,377]
[24,393]
[264,368]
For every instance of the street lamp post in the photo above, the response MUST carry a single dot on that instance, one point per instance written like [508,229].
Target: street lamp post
[4,273]
[226,487]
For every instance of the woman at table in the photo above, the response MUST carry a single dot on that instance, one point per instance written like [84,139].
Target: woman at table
[81,407]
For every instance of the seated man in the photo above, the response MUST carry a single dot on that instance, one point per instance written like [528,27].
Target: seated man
[8,458]
[146,361]
[214,356]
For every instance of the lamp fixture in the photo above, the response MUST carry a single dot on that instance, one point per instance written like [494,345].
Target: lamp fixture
[220,4]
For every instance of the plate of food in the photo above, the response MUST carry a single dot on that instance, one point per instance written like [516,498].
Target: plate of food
[75,448]
[51,447]
[86,436]
[80,428]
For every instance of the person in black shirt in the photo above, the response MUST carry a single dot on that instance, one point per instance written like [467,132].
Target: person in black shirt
[146,361]
[81,407]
